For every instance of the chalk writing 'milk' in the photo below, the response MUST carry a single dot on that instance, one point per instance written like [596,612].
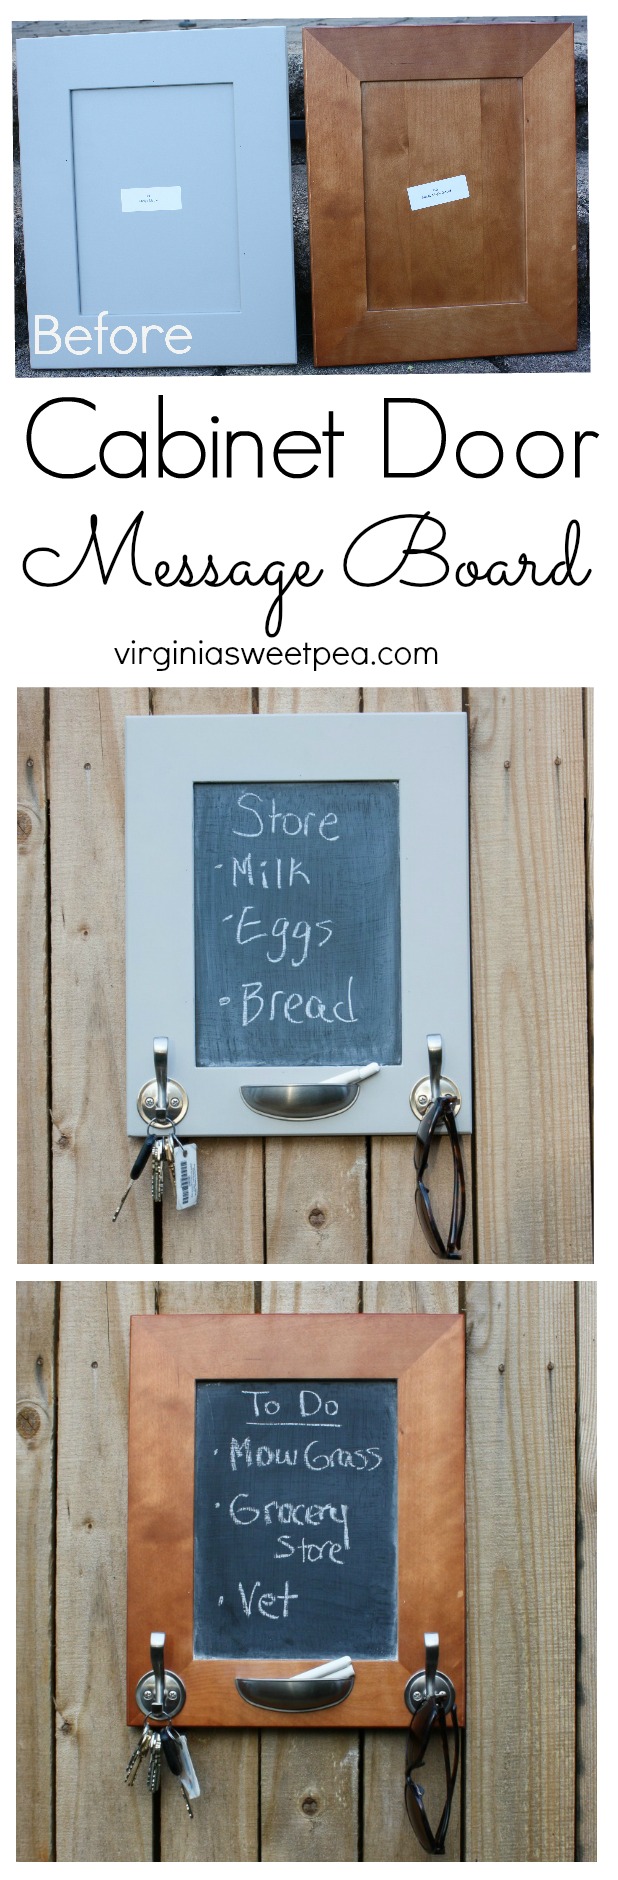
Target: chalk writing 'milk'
[296,1519]
[297,923]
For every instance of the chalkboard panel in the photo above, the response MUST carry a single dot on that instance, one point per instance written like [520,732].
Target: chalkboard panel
[297,923]
[295,1519]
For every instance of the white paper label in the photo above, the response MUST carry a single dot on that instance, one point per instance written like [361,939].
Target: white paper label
[185,1165]
[149,198]
[428,195]
[188,1776]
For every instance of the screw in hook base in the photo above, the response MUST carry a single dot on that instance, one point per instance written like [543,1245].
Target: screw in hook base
[162,1100]
[428,1088]
[160,1694]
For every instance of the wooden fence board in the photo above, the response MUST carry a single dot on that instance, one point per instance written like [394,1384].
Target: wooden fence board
[307,698]
[310,1795]
[225,1824]
[310,1780]
[586,1802]
[316,1186]
[97,1817]
[397,1238]
[411,1295]
[195,1295]
[32,980]
[528,901]
[90,1152]
[387,1834]
[316,1200]
[226,1227]
[396,1235]
[320,1295]
[520,1747]
[589,751]
[36,1420]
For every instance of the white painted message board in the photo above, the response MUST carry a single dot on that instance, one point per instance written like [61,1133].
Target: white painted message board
[156,187]
[297,908]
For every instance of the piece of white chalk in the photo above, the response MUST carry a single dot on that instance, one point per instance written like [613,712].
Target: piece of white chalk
[357,1075]
[336,1667]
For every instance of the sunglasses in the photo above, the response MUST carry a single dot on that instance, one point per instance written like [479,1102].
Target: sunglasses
[440,1112]
[433,1711]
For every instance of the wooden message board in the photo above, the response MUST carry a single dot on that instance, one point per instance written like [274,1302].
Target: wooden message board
[311,917]
[297,923]
[235,1559]
[483,118]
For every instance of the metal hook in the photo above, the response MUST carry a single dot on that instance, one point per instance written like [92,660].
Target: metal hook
[428,1089]
[434,1047]
[160,1694]
[159,1046]
[157,1647]
[162,1101]
[432,1653]
[429,1683]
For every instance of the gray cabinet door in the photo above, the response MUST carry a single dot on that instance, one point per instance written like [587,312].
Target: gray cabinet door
[316,873]
[156,192]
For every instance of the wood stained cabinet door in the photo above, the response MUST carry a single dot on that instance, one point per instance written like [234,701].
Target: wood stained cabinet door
[487,110]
